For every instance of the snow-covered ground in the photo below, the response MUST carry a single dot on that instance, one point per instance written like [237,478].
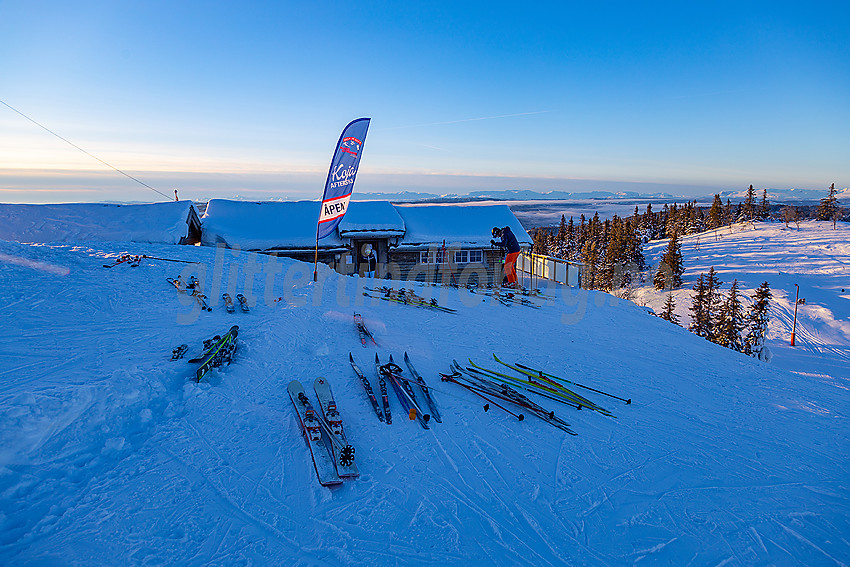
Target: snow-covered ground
[111,454]
[814,256]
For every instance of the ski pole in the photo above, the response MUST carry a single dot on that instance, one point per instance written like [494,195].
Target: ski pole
[628,401]
[169,260]
[448,378]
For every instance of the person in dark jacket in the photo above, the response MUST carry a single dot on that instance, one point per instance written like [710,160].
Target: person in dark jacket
[370,261]
[508,241]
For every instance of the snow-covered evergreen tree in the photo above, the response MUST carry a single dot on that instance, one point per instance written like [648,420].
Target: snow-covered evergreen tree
[669,274]
[748,210]
[541,240]
[705,308]
[590,258]
[715,215]
[560,244]
[713,302]
[757,319]
[731,321]
[828,205]
[764,207]
[669,311]
[700,323]
[570,247]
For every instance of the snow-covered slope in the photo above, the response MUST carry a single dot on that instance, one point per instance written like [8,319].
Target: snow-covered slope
[814,256]
[111,454]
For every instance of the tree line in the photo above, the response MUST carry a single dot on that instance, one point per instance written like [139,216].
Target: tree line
[612,250]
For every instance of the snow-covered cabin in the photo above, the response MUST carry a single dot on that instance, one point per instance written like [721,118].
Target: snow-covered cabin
[286,228]
[425,242]
[174,222]
[451,242]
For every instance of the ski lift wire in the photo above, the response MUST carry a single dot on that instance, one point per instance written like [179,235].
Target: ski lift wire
[82,150]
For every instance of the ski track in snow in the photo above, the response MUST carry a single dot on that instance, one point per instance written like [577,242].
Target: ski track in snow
[111,453]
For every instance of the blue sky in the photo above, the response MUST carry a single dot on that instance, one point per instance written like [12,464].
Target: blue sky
[225,99]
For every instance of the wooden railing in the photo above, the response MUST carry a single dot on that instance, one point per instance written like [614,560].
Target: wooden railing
[549,268]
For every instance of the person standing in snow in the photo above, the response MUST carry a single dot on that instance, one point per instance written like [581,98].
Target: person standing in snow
[370,261]
[508,241]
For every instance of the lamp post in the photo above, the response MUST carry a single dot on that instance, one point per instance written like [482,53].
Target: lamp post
[796,302]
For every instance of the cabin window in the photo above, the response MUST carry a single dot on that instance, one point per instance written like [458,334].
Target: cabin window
[460,256]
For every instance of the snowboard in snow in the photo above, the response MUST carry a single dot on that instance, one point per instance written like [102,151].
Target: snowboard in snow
[316,439]
[219,351]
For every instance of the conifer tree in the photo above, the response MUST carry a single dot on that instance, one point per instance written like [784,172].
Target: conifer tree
[672,221]
[634,247]
[749,207]
[669,274]
[713,302]
[541,241]
[828,205]
[611,273]
[590,259]
[764,207]
[669,311]
[739,215]
[648,224]
[571,240]
[715,215]
[757,319]
[731,321]
[661,226]
[700,323]
[561,239]
[705,307]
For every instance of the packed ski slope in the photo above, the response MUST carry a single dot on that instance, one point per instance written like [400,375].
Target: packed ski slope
[111,454]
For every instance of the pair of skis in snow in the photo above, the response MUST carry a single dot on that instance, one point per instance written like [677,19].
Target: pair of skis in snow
[403,387]
[130,259]
[362,331]
[332,455]
[230,307]
[135,260]
[191,288]
[405,297]
[508,299]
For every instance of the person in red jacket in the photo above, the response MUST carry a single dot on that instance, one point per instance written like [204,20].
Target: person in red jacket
[508,241]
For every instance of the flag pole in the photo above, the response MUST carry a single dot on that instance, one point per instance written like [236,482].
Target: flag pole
[316,257]
[340,182]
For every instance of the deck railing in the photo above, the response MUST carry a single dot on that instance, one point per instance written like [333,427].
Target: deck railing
[549,268]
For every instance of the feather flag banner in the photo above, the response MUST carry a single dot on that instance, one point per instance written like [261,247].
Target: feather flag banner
[340,183]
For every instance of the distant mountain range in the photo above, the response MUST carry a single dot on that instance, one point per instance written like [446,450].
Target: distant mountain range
[513,195]
[773,195]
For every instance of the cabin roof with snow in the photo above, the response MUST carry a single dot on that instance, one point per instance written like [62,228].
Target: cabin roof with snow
[265,225]
[173,222]
[467,226]
[378,219]
[291,225]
